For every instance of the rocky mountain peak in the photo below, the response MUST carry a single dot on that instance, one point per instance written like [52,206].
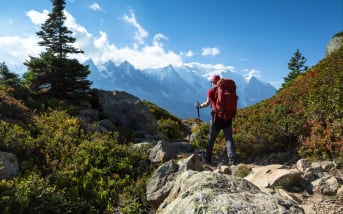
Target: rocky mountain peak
[335,43]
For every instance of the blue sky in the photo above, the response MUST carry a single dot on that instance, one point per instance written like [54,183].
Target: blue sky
[250,37]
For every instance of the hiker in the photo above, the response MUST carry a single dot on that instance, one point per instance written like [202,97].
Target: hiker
[217,123]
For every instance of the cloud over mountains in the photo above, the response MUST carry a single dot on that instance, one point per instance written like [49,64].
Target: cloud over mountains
[142,54]
[175,89]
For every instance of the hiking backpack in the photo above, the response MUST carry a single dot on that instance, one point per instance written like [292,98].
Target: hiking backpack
[226,99]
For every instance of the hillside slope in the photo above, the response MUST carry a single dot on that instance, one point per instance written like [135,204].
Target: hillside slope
[306,115]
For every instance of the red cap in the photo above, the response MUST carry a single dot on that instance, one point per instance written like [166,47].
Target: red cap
[215,79]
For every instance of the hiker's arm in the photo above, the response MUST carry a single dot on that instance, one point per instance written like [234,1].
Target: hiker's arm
[206,103]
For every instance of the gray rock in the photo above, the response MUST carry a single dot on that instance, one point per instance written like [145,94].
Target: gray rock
[312,173]
[275,176]
[164,151]
[161,183]
[327,185]
[126,110]
[335,43]
[302,164]
[89,115]
[184,187]
[9,166]
[107,124]
[209,192]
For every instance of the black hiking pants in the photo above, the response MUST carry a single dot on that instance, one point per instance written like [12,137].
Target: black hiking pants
[217,124]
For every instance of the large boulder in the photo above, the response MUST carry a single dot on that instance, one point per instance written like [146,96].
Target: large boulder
[276,176]
[162,182]
[327,185]
[126,110]
[184,187]
[164,151]
[209,192]
[335,43]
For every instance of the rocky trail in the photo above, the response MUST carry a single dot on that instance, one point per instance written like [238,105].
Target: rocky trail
[187,185]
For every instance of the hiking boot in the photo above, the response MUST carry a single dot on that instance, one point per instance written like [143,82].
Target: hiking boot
[206,159]
[231,162]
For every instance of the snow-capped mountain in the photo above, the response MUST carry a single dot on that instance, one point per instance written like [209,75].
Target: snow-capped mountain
[175,89]
[256,89]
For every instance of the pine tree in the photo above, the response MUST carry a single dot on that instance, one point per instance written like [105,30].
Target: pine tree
[52,72]
[7,77]
[296,66]
[55,36]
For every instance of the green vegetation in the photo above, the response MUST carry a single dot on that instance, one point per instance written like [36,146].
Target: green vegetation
[52,72]
[305,117]
[243,171]
[63,168]
[296,66]
[66,169]
[7,77]
[169,125]
[200,135]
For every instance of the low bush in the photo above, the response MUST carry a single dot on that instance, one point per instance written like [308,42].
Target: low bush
[70,170]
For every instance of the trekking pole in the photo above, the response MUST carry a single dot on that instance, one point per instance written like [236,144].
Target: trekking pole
[198,113]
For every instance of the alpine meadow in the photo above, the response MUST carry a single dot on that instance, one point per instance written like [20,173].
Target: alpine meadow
[73,152]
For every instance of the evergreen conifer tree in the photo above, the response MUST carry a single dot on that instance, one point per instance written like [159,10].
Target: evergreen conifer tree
[52,72]
[296,66]
[7,77]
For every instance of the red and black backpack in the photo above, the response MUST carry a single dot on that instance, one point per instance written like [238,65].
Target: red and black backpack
[226,99]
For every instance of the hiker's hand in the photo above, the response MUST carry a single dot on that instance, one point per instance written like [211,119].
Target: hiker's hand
[197,105]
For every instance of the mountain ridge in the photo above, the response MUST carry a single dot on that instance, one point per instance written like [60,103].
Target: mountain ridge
[174,88]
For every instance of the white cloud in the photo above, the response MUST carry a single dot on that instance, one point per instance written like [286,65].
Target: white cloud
[210,51]
[98,47]
[95,6]
[71,23]
[189,53]
[15,50]
[100,50]
[36,17]
[157,38]
[140,34]
[252,73]
[210,68]
[18,49]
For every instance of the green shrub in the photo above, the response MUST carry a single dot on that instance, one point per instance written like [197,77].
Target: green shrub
[170,129]
[169,125]
[11,107]
[160,113]
[305,117]
[15,138]
[32,194]
[325,140]
[243,171]
[45,103]
[71,171]
[200,135]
